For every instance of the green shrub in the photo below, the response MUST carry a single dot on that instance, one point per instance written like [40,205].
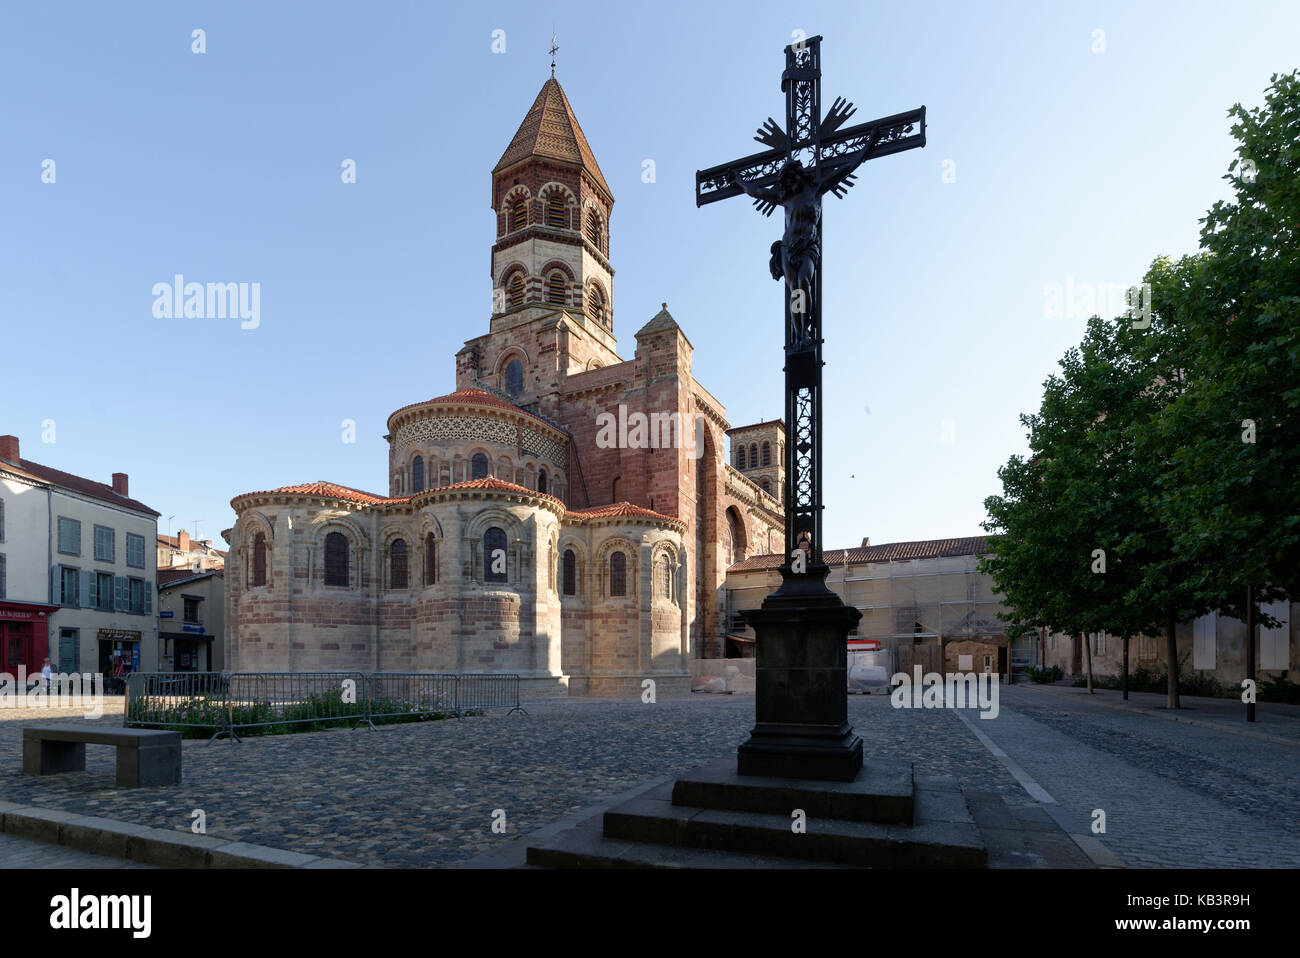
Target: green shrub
[1046,676]
[1279,689]
[203,716]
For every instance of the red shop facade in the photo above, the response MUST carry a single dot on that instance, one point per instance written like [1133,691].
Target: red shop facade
[24,636]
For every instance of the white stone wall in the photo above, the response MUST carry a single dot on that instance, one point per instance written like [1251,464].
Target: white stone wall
[26,540]
[88,621]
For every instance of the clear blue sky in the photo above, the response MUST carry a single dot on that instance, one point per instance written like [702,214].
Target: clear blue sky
[225,167]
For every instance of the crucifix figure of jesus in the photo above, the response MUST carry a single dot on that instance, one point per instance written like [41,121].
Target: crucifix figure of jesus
[796,257]
[801,649]
[807,158]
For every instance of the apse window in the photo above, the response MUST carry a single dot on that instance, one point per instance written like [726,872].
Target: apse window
[336,559]
[494,555]
[618,574]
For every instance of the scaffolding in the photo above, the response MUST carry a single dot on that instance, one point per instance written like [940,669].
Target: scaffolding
[913,607]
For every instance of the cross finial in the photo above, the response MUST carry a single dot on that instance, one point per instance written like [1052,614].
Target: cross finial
[552,51]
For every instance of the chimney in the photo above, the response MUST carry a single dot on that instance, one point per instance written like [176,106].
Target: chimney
[866,541]
[9,448]
[119,484]
[183,541]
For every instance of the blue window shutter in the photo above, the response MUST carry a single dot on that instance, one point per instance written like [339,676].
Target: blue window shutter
[148,597]
[91,590]
[120,598]
[86,578]
[54,595]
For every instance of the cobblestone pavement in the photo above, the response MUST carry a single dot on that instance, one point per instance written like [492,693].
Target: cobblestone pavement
[1174,794]
[20,853]
[423,794]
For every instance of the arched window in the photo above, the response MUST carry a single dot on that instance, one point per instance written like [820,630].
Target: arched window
[541,480]
[618,487]
[259,560]
[417,474]
[766,484]
[617,574]
[753,455]
[515,289]
[514,377]
[519,214]
[556,288]
[557,216]
[397,565]
[494,555]
[570,573]
[733,543]
[478,466]
[664,577]
[767,453]
[593,228]
[336,559]
[595,304]
[740,457]
[430,560]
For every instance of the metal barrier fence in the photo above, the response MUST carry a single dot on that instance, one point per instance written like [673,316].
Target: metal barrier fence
[268,699]
[480,690]
[392,694]
[227,703]
[178,700]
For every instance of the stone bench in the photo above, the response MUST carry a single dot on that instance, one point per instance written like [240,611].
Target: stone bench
[144,756]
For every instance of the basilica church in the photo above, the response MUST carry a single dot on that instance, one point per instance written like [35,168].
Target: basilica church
[514,537]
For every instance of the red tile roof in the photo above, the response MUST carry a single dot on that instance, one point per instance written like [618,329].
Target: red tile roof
[885,552]
[87,487]
[494,484]
[551,130]
[330,490]
[623,508]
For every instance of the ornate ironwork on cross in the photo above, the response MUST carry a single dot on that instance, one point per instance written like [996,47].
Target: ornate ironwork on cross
[806,159]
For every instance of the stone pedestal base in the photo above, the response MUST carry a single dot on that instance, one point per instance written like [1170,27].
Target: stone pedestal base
[801,684]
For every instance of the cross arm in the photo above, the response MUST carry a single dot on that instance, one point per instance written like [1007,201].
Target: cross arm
[717,183]
[882,137]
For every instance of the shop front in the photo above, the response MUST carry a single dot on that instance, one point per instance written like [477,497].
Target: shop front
[187,652]
[119,656]
[24,636]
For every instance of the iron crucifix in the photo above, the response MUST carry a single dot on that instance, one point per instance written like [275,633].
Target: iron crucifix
[806,159]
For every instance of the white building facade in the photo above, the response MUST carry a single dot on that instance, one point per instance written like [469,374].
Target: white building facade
[79,571]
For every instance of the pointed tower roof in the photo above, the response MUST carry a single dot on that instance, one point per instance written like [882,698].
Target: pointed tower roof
[550,130]
[662,322]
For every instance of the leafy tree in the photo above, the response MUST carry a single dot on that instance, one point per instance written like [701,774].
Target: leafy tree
[1231,493]
[1075,531]
[1169,444]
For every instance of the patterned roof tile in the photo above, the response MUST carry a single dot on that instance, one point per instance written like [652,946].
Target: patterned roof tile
[551,130]
[478,397]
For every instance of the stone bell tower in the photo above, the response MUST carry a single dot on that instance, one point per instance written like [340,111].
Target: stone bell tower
[553,207]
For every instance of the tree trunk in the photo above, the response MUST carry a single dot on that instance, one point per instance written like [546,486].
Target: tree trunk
[1251,618]
[1171,648]
[1087,651]
[1125,666]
